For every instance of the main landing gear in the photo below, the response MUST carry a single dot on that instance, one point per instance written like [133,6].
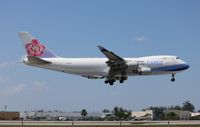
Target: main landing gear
[121,80]
[173,78]
[111,81]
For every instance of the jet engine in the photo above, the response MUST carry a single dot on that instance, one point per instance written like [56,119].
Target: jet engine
[132,65]
[144,70]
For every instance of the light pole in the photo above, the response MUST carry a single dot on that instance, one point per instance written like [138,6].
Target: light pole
[22,122]
[168,123]
[5,108]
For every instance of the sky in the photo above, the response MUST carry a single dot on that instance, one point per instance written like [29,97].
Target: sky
[74,28]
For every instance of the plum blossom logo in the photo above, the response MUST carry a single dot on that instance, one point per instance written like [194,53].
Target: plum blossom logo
[35,48]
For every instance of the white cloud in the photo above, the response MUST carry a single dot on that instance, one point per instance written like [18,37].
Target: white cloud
[18,88]
[4,64]
[12,90]
[38,85]
[7,64]
[140,39]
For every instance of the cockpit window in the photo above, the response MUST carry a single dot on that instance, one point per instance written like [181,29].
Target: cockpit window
[177,58]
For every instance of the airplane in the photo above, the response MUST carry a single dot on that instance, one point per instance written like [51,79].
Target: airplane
[111,68]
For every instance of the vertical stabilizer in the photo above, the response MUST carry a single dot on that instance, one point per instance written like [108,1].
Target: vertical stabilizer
[33,47]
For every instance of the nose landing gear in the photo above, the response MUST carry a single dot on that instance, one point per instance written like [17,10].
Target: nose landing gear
[173,78]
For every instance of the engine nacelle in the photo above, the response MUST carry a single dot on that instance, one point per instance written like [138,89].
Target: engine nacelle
[144,70]
[132,65]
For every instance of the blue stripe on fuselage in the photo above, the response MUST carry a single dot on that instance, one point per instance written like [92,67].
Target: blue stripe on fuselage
[178,67]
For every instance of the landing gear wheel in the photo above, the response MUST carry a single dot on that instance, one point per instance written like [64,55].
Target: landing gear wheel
[173,78]
[111,83]
[121,81]
[106,81]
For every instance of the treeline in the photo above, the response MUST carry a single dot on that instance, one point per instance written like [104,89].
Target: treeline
[173,112]
[164,113]
[118,113]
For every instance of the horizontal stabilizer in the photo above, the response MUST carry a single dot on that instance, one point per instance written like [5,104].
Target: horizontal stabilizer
[36,60]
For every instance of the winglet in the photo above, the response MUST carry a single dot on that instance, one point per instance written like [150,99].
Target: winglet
[102,48]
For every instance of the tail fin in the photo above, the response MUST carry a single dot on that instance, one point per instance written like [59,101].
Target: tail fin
[34,48]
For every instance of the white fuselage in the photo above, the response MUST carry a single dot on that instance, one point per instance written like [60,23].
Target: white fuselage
[97,67]
[113,67]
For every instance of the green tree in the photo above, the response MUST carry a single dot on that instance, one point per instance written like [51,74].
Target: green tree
[83,113]
[121,114]
[109,117]
[176,107]
[171,116]
[187,106]
[106,111]
[158,112]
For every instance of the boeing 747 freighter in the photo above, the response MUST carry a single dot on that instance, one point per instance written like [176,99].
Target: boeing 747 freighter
[111,68]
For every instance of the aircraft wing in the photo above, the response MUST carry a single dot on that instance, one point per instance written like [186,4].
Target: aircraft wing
[117,64]
[110,55]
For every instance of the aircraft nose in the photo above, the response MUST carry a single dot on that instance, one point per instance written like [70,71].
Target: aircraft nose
[185,66]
